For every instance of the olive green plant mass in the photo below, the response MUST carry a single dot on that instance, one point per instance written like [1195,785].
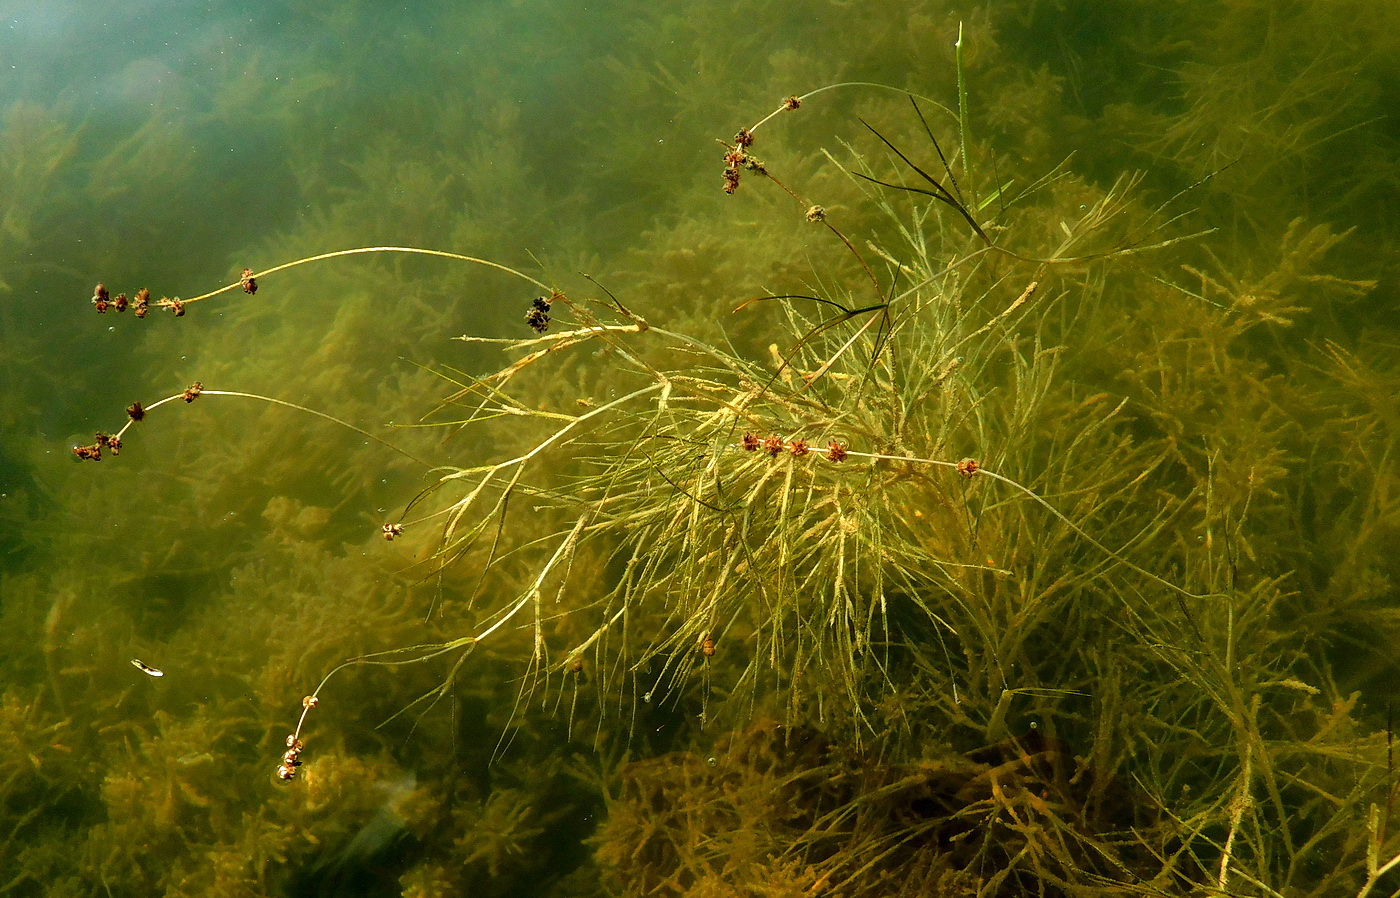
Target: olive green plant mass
[931,503]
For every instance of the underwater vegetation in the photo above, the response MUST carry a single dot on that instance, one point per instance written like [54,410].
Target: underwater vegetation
[903,508]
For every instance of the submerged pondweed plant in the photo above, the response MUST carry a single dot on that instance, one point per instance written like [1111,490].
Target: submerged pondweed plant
[912,522]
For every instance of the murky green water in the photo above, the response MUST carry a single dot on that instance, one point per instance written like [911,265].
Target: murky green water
[1148,646]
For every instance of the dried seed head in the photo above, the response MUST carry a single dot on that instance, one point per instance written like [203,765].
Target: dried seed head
[392,530]
[967,467]
[792,103]
[246,279]
[816,213]
[135,411]
[773,446]
[798,448]
[537,319]
[192,391]
[835,451]
[750,442]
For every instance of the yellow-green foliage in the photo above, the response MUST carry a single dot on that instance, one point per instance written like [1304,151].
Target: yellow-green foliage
[1144,649]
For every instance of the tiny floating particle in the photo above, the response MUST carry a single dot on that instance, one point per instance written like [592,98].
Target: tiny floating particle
[146,668]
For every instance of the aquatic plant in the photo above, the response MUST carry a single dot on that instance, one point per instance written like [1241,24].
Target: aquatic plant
[923,520]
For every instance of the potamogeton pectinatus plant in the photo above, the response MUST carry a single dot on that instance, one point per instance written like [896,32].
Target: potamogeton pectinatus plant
[785,524]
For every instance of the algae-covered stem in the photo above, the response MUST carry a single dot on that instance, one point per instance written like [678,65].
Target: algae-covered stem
[963,130]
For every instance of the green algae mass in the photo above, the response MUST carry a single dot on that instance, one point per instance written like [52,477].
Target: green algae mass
[994,495]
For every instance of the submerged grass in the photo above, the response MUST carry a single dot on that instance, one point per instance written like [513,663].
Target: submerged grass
[1015,618]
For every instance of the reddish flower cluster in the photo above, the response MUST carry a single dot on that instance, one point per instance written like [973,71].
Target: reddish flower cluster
[191,392]
[94,452]
[140,304]
[967,467]
[737,156]
[392,530]
[774,446]
[736,159]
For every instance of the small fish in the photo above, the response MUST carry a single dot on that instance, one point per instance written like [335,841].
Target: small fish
[146,668]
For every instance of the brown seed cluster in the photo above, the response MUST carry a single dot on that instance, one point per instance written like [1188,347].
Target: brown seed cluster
[137,413]
[707,647]
[774,446]
[291,758]
[140,304]
[112,444]
[287,770]
[538,316]
[392,530]
[967,467]
[737,158]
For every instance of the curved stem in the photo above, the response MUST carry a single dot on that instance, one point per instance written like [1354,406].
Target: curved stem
[376,249]
[285,403]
